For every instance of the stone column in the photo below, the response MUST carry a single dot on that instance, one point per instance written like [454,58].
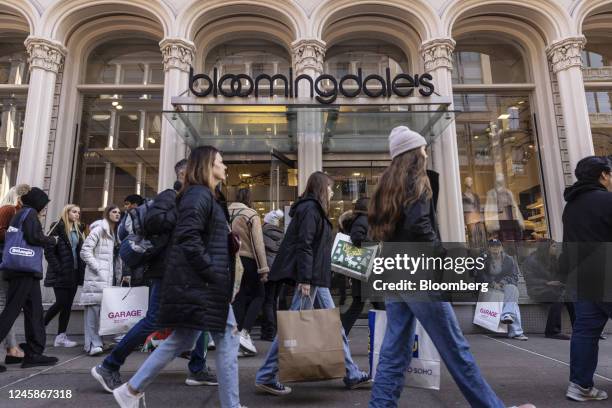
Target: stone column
[45,58]
[178,57]
[308,58]
[437,55]
[566,61]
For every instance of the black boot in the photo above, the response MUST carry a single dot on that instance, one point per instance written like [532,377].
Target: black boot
[2,368]
[36,360]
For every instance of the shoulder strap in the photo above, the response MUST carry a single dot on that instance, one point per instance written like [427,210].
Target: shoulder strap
[22,217]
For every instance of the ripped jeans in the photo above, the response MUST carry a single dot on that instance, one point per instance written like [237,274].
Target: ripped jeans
[183,339]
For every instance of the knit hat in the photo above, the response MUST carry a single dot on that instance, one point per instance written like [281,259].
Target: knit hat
[35,198]
[273,217]
[591,167]
[402,139]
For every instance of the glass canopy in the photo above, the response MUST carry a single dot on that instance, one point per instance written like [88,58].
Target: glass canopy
[342,128]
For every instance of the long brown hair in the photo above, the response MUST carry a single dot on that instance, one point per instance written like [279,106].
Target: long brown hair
[199,167]
[404,182]
[317,186]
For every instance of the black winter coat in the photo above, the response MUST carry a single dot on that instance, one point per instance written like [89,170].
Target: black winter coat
[305,253]
[159,224]
[198,282]
[359,228]
[587,240]
[61,272]
[33,234]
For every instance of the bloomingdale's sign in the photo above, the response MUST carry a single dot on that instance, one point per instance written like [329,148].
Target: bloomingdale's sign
[242,85]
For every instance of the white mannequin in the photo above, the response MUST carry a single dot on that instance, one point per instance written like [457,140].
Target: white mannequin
[501,205]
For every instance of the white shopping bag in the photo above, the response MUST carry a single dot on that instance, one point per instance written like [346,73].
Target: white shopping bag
[489,309]
[424,368]
[122,308]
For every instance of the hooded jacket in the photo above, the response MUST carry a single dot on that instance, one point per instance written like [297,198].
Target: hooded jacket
[103,265]
[61,272]
[272,236]
[587,238]
[33,203]
[305,253]
[159,224]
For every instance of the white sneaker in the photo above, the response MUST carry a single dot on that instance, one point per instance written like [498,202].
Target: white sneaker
[61,340]
[126,399]
[577,393]
[94,351]
[246,342]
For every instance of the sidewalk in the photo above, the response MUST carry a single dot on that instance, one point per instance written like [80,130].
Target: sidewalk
[534,371]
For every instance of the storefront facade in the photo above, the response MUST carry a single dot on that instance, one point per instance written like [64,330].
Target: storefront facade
[87,88]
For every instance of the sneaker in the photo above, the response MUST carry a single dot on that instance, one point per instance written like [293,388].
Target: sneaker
[61,340]
[577,393]
[204,377]
[558,336]
[211,343]
[507,319]
[362,382]
[523,406]
[274,388]
[38,360]
[125,398]
[243,352]
[94,351]
[520,337]
[107,378]
[246,342]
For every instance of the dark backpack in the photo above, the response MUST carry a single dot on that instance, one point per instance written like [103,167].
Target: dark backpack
[136,250]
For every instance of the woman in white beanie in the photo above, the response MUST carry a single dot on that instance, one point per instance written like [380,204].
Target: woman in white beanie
[402,210]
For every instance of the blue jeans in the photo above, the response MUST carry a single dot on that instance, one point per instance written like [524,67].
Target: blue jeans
[511,307]
[184,339]
[323,300]
[141,330]
[591,317]
[197,362]
[439,321]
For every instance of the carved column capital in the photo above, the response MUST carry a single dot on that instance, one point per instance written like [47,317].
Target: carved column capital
[45,54]
[438,53]
[308,54]
[177,53]
[566,53]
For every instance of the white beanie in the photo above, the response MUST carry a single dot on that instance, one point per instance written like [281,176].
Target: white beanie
[273,217]
[402,139]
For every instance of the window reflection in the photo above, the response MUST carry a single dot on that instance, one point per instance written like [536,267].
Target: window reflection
[487,61]
[12,113]
[13,60]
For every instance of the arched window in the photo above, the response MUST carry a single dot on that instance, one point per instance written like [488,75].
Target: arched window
[14,77]
[597,74]
[498,149]
[120,129]
[373,57]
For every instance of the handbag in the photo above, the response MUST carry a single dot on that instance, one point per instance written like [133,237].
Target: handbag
[18,255]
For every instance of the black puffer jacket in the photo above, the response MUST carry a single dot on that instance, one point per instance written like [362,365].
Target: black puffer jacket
[159,224]
[61,272]
[305,253]
[359,228]
[273,236]
[198,281]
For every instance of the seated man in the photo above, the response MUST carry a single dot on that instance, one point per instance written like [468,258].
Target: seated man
[501,271]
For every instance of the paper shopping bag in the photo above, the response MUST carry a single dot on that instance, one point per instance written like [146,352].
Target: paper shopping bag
[122,308]
[310,345]
[424,368]
[489,309]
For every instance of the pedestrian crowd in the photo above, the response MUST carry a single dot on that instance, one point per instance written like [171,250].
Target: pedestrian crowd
[213,269]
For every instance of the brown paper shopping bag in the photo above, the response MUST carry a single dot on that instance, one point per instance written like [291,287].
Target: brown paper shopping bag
[310,345]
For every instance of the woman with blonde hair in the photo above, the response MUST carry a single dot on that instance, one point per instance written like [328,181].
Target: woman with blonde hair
[66,269]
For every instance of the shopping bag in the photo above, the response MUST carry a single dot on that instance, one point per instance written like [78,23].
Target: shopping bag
[122,308]
[310,345]
[352,261]
[18,255]
[424,368]
[489,309]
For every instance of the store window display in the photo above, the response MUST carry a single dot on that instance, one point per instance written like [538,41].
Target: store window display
[473,214]
[503,217]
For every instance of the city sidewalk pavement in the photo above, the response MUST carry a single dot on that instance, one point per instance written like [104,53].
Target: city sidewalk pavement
[534,371]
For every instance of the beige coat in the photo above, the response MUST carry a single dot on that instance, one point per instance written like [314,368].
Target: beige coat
[247,225]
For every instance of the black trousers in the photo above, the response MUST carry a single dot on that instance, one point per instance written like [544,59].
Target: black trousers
[24,293]
[350,316]
[63,305]
[553,323]
[250,298]
[270,306]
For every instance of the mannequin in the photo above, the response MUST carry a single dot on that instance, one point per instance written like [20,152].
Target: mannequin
[502,215]
[472,215]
